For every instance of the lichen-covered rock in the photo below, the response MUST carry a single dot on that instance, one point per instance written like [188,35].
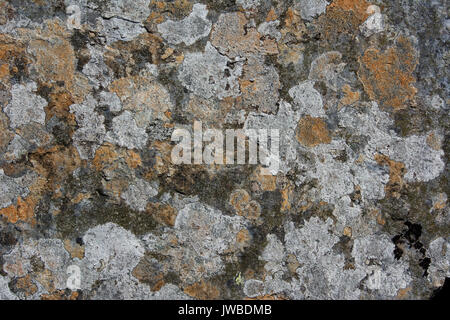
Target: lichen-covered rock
[348,199]
[188,30]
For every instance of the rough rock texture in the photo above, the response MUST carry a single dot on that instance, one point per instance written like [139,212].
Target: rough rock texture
[92,207]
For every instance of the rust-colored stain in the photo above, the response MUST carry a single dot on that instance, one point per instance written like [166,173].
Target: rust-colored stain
[312,131]
[388,76]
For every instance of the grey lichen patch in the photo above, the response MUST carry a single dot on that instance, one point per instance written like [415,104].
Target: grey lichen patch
[91,129]
[386,275]
[138,194]
[25,106]
[5,292]
[117,29]
[423,163]
[314,242]
[189,30]
[440,261]
[133,10]
[96,70]
[208,74]
[357,210]
[248,4]
[111,251]
[307,99]
[126,133]
[326,68]
[270,29]
[206,229]
[310,9]
[374,24]
[111,101]
[11,188]
[259,85]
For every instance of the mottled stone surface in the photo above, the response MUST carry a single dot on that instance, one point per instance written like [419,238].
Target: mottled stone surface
[92,206]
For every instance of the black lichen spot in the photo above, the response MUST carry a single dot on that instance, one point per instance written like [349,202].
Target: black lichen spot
[411,237]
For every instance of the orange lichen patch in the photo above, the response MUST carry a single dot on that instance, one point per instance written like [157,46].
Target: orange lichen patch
[378,215]
[26,285]
[441,202]
[244,206]
[403,293]
[146,43]
[203,291]
[337,21]
[350,97]
[6,12]
[60,295]
[80,197]
[233,38]
[286,195]
[265,182]
[9,47]
[4,72]
[22,211]
[160,10]
[145,273]
[434,141]
[163,160]
[243,236]
[397,171]
[133,159]
[141,94]
[293,24]
[59,104]
[5,135]
[252,210]
[163,213]
[53,55]
[13,58]
[104,157]
[239,199]
[74,249]
[388,76]
[167,53]
[348,232]
[55,163]
[312,132]
[271,15]
[359,7]
[208,111]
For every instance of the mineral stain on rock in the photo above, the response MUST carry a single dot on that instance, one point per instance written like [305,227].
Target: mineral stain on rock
[91,92]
